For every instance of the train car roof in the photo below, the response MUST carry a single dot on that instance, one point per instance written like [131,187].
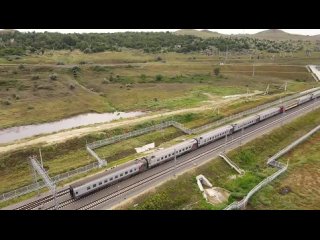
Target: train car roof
[173,147]
[245,119]
[99,175]
[306,96]
[268,110]
[228,127]
[309,91]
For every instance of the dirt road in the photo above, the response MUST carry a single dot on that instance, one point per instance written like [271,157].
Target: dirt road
[68,134]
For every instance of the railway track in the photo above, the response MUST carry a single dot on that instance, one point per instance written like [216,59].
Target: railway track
[44,200]
[140,183]
[62,204]
[155,176]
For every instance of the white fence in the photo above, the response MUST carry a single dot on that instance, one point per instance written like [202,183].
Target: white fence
[292,145]
[118,138]
[33,187]
[241,204]
[271,161]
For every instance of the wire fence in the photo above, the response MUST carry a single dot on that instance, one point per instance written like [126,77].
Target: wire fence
[271,161]
[36,186]
[40,184]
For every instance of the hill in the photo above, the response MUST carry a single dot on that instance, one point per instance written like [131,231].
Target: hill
[202,33]
[271,34]
[276,35]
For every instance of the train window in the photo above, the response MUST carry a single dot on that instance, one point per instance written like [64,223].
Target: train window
[134,169]
[94,185]
[105,180]
[110,179]
[126,173]
[100,183]
[121,174]
[116,177]
[76,193]
[165,156]
[88,188]
[161,158]
[169,155]
[131,170]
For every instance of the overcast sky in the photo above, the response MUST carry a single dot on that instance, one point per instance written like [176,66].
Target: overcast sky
[225,31]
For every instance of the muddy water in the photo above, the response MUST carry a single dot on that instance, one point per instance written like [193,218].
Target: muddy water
[15,133]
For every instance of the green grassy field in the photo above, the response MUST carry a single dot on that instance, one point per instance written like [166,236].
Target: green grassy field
[252,157]
[59,158]
[28,95]
[301,179]
[71,154]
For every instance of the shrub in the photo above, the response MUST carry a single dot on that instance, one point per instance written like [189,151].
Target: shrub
[216,71]
[53,76]
[15,96]
[159,77]
[76,69]
[21,67]
[6,102]
[72,87]
[105,81]
[143,76]
[35,77]
[60,63]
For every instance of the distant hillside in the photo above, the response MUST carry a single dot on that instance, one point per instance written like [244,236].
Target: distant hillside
[276,35]
[202,33]
[271,34]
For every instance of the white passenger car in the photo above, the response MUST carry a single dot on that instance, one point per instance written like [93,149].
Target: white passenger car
[214,135]
[315,94]
[269,113]
[246,122]
[305,99]
[107,178]
[167,154]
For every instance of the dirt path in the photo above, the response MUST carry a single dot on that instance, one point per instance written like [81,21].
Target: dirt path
[68,134]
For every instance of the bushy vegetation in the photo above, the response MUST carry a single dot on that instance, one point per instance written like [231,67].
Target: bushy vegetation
[17,43]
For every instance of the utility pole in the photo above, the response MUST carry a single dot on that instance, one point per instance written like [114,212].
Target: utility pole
[242,131]
[44,175]
[225,143]
[225,61]
[253,69]
[41,157]
[175,163]
[285,86]
[267,90]
[247,91]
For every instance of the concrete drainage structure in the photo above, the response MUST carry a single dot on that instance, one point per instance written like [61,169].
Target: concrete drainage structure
[213,195]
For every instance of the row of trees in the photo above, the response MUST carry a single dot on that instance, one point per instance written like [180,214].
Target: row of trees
[17,43]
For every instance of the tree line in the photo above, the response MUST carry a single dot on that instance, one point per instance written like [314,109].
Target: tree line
[18,43]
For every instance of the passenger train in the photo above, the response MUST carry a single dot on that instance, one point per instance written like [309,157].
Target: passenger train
[137,166]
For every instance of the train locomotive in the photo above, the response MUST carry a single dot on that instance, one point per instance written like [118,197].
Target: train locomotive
[127,170]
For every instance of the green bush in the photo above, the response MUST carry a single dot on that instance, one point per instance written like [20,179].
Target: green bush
[159,77]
